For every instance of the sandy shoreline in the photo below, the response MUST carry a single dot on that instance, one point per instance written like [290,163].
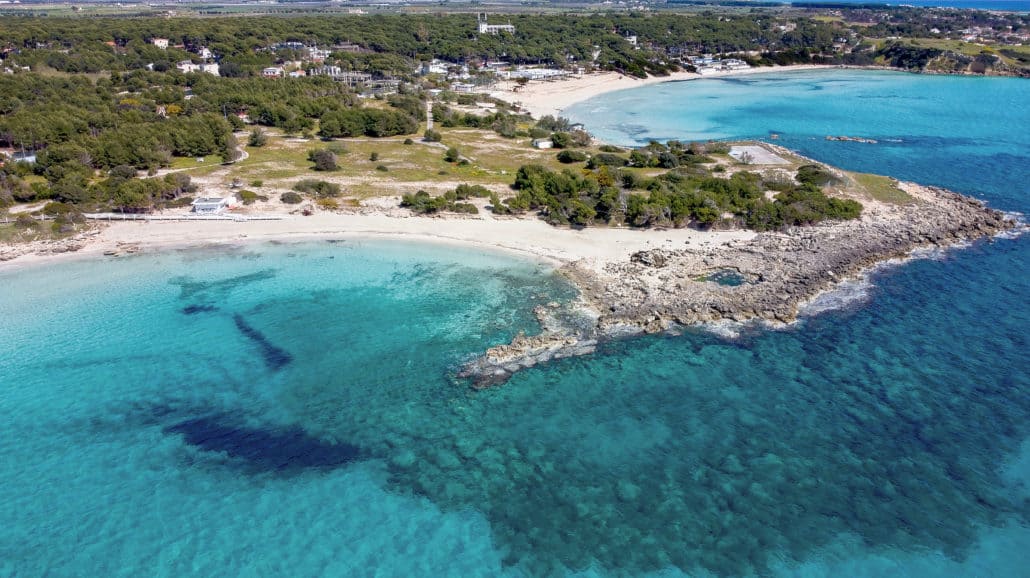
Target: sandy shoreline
[591,248]
[553,97]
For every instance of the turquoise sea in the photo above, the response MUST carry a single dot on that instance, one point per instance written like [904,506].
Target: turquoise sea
[292,410]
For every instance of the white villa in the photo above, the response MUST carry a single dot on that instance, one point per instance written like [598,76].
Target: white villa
[487,28]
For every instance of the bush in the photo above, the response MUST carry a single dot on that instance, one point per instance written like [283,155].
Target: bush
[572,157]
[607,159]
[317,188]
[258,138]
[373,157]
[325,160]
[250,197]
[25,221]
[257,183]
[452,155]
[537,132]
[815,175]
[408,141]
[610,149]
[423,203]
[465,191]
[291,198]
[382,168]
[432,136]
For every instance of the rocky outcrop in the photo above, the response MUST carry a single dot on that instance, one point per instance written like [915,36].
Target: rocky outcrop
[777,273]
[49,246]
[783,270]
[500,362]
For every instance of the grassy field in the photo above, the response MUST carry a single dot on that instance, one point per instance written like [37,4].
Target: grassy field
[881,188]
[492,161]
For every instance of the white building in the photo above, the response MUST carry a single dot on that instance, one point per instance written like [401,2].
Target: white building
[272,72]
[486,28]
[436,66]
[210,205]
[187,66]
[543,143]
[161,43]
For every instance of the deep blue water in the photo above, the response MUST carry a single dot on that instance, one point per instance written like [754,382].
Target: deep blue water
[292,410]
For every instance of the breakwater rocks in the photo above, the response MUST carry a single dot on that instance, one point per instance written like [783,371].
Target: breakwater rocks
[767,277]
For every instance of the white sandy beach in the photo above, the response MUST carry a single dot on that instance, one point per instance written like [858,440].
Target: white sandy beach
[593,247]
[552,97]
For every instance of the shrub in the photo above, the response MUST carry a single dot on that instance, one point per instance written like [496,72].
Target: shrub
[258,138]
[465,191]
[408,141]
[537,132]
[382,168]
[423,203]
[607,159]
[432,136]
[257,183]
[317,188]
[815,175]
[291,198]
[325,160]
[373,157]
[572,157]
[452,155]
[610,149]
[123,172]
[497,207]
[25,221]
[561,140]
[250,197]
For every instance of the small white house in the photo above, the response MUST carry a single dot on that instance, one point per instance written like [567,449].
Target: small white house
[272,72]
[543,143]
[161,43]
[210,205]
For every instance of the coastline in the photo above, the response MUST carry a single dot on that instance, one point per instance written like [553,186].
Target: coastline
[523,236]
[553,97]
[631,281]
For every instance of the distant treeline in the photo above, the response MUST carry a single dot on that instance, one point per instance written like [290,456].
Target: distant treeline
[393,43]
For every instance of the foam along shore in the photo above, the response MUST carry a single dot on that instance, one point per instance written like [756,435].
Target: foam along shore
[552,97]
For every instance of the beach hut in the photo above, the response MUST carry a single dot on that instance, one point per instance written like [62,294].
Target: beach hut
[210,205]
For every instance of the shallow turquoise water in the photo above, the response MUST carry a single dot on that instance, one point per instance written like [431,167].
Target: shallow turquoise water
[291,410]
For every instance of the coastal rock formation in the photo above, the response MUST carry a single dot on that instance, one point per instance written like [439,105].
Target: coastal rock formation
[779,271]
[768,277]
[49,246]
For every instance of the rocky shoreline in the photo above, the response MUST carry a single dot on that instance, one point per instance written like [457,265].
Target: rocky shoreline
[766,278]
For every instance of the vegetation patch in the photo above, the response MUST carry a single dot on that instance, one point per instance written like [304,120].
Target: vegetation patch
[883,189]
